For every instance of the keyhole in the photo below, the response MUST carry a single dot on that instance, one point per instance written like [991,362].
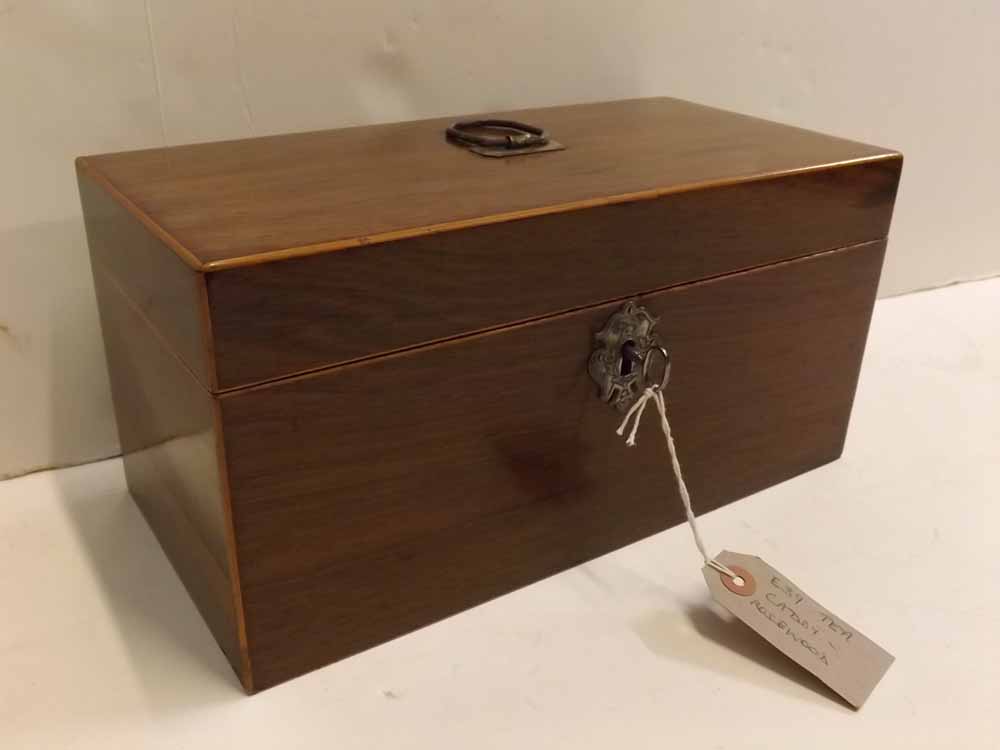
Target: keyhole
[629,357]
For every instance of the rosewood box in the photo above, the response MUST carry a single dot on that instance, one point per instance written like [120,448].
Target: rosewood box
[357,372]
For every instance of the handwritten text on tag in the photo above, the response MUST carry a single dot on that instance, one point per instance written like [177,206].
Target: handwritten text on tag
[848,662]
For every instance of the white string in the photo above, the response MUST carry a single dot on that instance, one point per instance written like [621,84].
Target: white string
[656,396]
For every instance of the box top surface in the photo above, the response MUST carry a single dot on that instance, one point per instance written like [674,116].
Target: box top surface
[234,203]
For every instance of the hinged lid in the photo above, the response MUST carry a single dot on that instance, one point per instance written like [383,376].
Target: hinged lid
[677,192]
[236,202]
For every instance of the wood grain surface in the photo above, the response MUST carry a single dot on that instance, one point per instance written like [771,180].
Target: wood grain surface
[273,320]
[224,204]
[378,497]
[169,294]
[168,434]
[349,366]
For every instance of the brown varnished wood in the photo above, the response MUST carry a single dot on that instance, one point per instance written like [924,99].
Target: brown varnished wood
[168,435]
[85,168]
[226,204]
[349,367]
[168,292]
[244,669]
[283,318]
[377,497]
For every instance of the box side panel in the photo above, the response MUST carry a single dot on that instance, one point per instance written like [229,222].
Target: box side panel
[292,316]
[170,294]
[381,496]
[168,432]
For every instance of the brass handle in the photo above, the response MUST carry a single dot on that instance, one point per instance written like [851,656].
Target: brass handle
[512,135]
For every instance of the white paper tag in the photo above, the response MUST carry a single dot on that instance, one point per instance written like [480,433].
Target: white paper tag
[809,634]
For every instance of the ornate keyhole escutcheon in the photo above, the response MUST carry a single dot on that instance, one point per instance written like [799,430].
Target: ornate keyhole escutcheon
[628,357]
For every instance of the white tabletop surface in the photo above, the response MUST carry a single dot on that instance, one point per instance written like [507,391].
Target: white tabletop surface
[100,646]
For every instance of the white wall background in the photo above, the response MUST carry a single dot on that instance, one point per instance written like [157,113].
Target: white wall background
[86,76]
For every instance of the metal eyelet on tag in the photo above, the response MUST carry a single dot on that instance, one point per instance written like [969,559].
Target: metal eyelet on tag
[749,584]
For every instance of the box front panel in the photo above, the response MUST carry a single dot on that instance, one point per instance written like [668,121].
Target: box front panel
[375,498]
